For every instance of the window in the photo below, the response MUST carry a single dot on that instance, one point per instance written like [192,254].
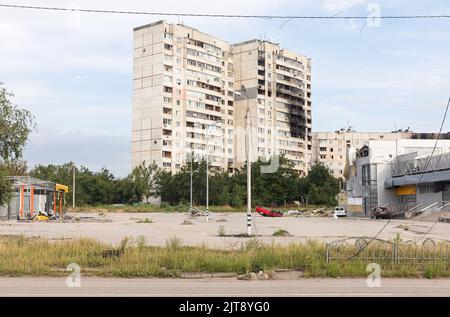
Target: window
[425,189]
[369,174]
[365,174]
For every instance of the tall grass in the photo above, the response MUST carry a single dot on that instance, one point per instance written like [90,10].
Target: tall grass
[134,258]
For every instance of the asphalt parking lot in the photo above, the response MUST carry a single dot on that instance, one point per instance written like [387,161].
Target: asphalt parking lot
[113,227]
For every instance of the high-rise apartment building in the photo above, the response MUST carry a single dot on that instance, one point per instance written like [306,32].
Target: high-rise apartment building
[278,93]
[184,102]
[182,97]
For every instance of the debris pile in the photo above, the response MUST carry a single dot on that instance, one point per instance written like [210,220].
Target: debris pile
[320,212]
[444,217]
[282,233]
[268,275]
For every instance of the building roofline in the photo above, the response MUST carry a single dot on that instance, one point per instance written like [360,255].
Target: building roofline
[148,25]
[254,40]
[181,25]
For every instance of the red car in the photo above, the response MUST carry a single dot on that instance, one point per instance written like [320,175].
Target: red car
[268,213]
[380,212]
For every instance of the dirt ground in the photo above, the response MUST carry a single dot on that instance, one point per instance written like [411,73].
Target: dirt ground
[113,227]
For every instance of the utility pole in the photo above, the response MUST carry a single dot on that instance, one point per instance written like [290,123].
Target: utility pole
[244,95]
[249,172]
[73,186]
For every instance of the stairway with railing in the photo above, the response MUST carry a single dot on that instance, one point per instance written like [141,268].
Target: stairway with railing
[410,210]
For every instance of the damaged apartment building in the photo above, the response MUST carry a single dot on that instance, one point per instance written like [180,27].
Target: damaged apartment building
[185,100]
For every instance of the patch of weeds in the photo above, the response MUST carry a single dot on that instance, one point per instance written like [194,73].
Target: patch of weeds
[141,241]
[174,243]
[282,233]
[145,220]
[397,238]
[221,231]
[187,222]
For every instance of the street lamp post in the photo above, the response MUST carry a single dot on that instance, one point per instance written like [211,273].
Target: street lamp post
[249,173]
[73,186]
[243,94]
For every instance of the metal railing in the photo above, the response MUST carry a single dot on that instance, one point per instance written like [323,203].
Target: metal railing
[378,250]
[421,165]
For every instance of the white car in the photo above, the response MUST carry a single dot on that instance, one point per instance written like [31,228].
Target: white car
[340,212]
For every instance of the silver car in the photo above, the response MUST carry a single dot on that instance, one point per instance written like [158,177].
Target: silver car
[340,211]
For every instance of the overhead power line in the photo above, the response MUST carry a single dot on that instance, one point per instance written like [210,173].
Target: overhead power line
[178,14]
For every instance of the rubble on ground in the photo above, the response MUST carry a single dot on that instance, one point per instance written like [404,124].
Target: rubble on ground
[319,212]
[444,217]
[267,275]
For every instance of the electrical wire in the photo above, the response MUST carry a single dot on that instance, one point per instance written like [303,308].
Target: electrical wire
[178,14]
[436,143]
[439,135]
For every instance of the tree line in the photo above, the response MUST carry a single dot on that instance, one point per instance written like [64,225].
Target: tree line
[147,180]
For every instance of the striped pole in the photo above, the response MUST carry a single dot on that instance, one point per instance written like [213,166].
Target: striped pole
[249,176]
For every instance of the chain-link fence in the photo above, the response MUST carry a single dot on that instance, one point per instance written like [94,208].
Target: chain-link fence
[378,250]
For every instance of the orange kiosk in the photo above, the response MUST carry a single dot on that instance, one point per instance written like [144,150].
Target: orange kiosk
[36,199]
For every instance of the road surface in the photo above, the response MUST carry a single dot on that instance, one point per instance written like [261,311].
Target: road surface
[25,286]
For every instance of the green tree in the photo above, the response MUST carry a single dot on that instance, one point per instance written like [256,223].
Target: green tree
[321,187]
[15,127]
[145,176]
[5,187]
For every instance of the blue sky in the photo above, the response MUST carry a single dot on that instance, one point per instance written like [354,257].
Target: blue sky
[74,72]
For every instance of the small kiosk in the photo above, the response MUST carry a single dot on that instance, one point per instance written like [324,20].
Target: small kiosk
[33,198]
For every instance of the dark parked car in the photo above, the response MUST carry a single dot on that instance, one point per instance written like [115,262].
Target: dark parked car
[380,212]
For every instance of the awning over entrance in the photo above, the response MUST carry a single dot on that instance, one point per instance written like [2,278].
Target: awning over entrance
[432,177]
